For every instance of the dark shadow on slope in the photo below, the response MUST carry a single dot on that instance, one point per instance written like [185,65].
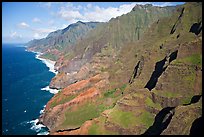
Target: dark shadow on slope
[181,13]
[160,67]
[67,129]
[173,29]
[197,127]
[161,121]
[194,99]
[196,28]
[178,36]
[137,70]
[156,74]
[134,73]
[177,22]
[173,56]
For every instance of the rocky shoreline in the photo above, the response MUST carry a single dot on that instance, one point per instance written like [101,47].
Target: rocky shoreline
[50,64]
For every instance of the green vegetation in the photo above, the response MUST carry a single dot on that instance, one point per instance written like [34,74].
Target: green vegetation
[125,119]
[150,103]
[67,99]
[110,93]
[90,110]
[121,34]
[50,56]
[103,107]
[61,39]
[94,129]
[146,119]
[99,129]
[62,101]
[190,79]
[194,59]
[186,100]
[123,87]
[53,104]
[79,116]
[167,93]
[83,113]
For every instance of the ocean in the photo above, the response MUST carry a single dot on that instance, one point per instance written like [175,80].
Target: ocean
[25,91]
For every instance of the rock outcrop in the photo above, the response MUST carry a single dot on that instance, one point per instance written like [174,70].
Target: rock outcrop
[70,97]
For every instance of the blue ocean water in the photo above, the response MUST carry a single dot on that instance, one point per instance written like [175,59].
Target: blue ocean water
[23,76]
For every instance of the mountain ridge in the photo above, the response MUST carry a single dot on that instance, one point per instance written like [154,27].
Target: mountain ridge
[58,39]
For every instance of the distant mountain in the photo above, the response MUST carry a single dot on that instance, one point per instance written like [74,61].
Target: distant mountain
[56,41]
[113,34]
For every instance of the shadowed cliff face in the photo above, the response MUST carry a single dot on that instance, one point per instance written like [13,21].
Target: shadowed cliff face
[186,120]
[137,70]
[111,36]
[106,77]
[161,121]
[196,28]
[160,67]
[194,99]
[196,128]
[177,22]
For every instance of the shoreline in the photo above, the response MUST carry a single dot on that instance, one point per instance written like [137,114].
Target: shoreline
[50,64]
[38,127]
[51,90]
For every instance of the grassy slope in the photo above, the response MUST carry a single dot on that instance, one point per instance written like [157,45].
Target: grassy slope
[114,32]
[158,34]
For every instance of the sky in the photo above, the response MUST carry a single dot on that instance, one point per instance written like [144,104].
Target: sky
[25,21]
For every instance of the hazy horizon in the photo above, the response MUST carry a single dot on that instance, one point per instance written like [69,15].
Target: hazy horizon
[37,19]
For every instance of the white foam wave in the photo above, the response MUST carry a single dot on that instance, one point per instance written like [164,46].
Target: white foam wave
[49,63]
[53,91]
[34,125]
[43,110]
[43,133]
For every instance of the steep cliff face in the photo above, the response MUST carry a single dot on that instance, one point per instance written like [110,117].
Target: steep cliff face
[118,81]
[62,110]
[53,45]
[162,73]
[171,67]
[107,39]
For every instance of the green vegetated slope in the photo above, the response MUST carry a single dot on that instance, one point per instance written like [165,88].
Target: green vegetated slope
[155,68]
[61,39]
[177,85]
[120,30]
[106,40]
[156,44]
